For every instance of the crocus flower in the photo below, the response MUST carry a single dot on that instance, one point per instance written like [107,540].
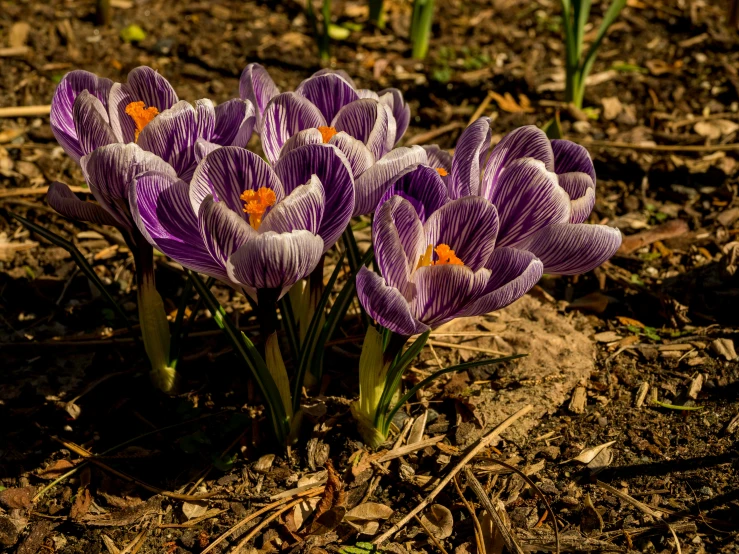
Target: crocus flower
[88,112]
[328,108]
[446,267]
[240,220]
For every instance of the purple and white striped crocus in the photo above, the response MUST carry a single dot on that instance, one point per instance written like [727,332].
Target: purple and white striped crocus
[445,267]
[244,222]
[327,108]
[88,112]
[544,191]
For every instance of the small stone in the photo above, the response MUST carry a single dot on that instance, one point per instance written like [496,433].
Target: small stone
[706,491]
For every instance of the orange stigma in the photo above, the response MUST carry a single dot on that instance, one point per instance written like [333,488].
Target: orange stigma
[326,133]
[256,204]
[141,116]
[445,255]
[441,171]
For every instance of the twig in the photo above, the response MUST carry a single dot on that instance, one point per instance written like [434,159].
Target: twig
[462,346]
[662,147]
[631,500]
[398,452]
[431,535]
[423,138]
[482,496]
[482,443]
[13,51]
[479,536]
[193,522]
[34,191]
[25,111]
[481,108]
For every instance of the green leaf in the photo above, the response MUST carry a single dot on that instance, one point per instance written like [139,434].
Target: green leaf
[289,325]
[133,33]
[81,261]
[675,407]
[610,16]
[553,128]
[337,32]
[223,463]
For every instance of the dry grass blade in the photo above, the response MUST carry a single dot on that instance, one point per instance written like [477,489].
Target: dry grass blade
[404,450]
[482,443]
[631,500]
[479,540]
[25,111]
[484,499]
[431,535]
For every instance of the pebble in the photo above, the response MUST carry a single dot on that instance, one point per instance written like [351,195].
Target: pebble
[706,491]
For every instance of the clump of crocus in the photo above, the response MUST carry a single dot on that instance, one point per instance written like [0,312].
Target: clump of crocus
[116,131]
[460,240]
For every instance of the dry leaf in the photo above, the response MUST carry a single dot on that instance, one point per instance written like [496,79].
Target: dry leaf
[312,478]
[623,320]
[369,511]
[264,464]
[17,498]
[303,511]
[660,67]
[715,129]
[589,454]
[612,107]
[56,469]
[81,504]
[669,229]
[331,503]
[439,521]
[194,509]
[508,104]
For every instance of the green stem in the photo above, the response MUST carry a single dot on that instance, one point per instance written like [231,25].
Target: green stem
[423,19]
[376,13]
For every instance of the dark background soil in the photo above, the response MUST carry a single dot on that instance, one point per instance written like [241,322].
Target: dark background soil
[671,68]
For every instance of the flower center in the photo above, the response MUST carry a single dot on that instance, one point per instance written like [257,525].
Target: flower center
[444,255]
[327,133]
[441,171]
[256,203]
[141,116]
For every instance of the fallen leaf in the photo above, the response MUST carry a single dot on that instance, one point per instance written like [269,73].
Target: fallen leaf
[660,67]
[303,511]
[81,504]
[17,498]
[194,509]
[589,454]
[595,302]
[508,104]
[369,511]
[623,320]
[56,469]
[612,107]
[716,128]
[439,521]
[332,501]
[669,229]
[607,336]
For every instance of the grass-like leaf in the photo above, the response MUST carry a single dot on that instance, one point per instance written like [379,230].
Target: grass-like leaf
[290,326]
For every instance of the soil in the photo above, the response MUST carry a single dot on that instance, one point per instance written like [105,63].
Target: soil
[656,323]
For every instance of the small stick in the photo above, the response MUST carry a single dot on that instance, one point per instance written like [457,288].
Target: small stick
[14,51]
[422,138]
[482,443]
[482,496]
[431,535]
[633,501]
[398,452]
[481,108]
[479,536]
[25,111]
[663,147]
[462,346]
[36,191]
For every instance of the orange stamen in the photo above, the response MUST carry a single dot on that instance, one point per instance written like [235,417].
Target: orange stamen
[327,133]
[256,204]
[441,171]
[141,116]
[445,255]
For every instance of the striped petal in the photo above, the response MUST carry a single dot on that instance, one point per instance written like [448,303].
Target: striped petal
[162,212]
[528,198]
[474,142]
[143,85]
[567,249]
[205,117]
[569,157]
[275,260]
[229,171]
[328,71]
[286,115]
[373,183]
[357,154]
[91,123]
[369,121]
[513,273]
[386,305]
[301,138]
[222,230]
[62,107]
[468,225]
[329,92]
[441,292]
[69,205]
[399,242]
[301,209]
[525,142]
[109,171]
[256,86]
[579,187]
[438,158]
[423,187]
[331,167]
[203,148]
[172,135]
[393,99]
[235,120]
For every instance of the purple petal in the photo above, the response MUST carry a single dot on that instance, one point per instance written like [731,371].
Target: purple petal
[528,198]
[328,71]
[203,148]
[69,205]
[393,98]
[524,142]
[580,189]
[373,183]
[286,115]
[301,209]
[464,178]
[223,230]
[441,292]
[386,304]
[399,242]
[143,85]
[109,170]
[438,158]
[91,123]
[569,157]
[331,167]
[513,273]
[423,187]
[370,122]
[235,121]
[329,92]
[275,260]
[62,107]
[357,154]
[468,225]
[301,138]
[229,171]
[205,116]
[570,249]
[258,87]
[367,93]
[172,135]
[161,209]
